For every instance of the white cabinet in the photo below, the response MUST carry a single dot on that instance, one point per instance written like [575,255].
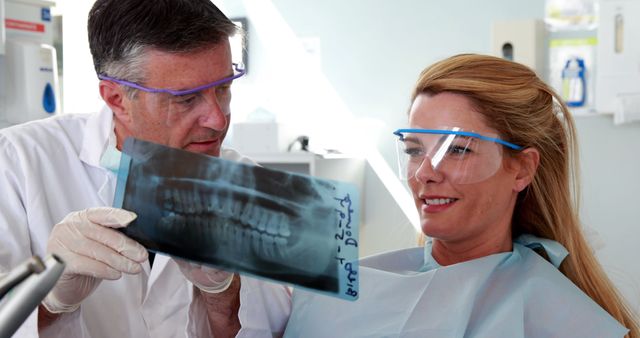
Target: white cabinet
[333,167]
[618,82]
[2,33]
[297,162]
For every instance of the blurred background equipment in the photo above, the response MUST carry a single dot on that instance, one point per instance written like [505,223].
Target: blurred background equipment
[29,86]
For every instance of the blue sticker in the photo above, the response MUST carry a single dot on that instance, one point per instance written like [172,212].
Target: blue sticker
[45,14]
[49,99]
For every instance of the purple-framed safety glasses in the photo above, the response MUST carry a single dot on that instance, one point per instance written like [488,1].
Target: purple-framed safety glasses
[238,71]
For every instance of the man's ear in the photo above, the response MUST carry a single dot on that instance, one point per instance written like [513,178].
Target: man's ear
[528,165]
[115,97]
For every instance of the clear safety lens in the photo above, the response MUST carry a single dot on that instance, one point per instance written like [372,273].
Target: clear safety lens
[459,156]
[178,108]
[180,104]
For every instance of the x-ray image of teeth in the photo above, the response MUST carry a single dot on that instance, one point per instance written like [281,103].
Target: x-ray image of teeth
[273,224]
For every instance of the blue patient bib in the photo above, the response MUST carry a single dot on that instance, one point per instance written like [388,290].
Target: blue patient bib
[514,294]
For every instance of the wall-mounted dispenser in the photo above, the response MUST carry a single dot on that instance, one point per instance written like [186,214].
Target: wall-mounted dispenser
[618,55]
[520,41]
[2,34]
[29,84]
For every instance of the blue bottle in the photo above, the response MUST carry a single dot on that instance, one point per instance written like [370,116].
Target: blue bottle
[574,86]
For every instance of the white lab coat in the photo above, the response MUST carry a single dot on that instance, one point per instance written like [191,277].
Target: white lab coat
[512,295]
[51,167]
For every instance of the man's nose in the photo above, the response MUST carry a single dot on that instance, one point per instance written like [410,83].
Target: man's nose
[215,115]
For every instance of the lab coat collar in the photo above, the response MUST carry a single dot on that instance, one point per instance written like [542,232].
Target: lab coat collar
[152,275]
[97,131]
[111,156]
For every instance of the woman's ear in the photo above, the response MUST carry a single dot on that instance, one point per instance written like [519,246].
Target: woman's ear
[117,100]
[528,164]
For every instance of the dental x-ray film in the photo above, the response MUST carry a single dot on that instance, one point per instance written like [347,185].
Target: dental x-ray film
[282,226]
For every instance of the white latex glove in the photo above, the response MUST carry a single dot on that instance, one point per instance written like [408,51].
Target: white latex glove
[207,279]
[92,250]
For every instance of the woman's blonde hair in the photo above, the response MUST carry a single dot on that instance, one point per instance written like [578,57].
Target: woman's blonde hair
[526,111]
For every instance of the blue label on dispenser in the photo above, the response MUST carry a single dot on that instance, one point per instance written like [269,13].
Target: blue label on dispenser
[45,13]
[49,99]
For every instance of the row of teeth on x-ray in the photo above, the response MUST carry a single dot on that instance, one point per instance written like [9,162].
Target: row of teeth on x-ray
[272,222]
[265,232]
[240,239]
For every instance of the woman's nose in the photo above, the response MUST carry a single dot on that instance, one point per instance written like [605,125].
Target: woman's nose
[425,172]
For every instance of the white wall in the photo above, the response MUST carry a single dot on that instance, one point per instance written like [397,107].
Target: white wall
[610,203]
[80,83]
[354,76]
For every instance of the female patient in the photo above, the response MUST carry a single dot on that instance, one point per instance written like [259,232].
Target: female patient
[489,156]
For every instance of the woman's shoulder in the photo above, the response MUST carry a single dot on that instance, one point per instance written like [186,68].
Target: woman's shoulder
[552,302]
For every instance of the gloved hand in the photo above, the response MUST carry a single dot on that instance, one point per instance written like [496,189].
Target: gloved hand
[92,250]
[207,279]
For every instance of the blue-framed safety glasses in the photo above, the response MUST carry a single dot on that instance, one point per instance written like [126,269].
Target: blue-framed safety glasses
[180,103]
[461,156]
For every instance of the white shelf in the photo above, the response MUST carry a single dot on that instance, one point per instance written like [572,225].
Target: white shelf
[326,166]
[293,157]
[298,162]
